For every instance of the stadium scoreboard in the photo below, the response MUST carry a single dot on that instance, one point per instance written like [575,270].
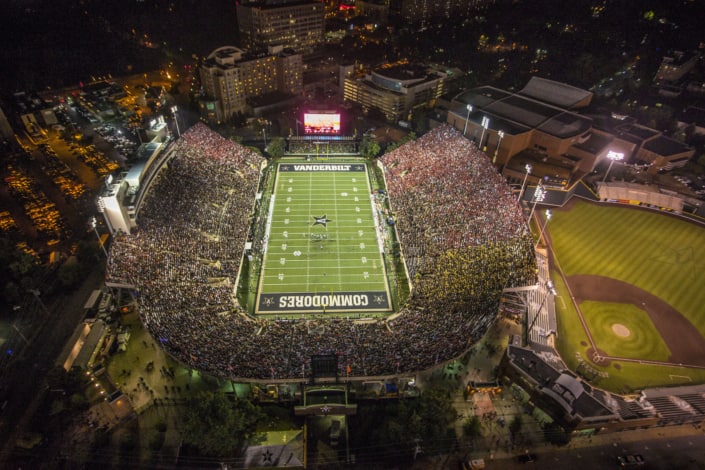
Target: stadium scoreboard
[322,123]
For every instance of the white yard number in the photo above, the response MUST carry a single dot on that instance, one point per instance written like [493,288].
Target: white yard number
[287,210]
[286,221]
[366,275]
[362,246]
[286,234]
[359,220]
[282,261]
[364,260]
[283,246]
[281,276]
[360,232]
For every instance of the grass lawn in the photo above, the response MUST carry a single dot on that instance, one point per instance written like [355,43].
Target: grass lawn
[622,376]
[655,252]
[571,335]
[642,340]
[658,253]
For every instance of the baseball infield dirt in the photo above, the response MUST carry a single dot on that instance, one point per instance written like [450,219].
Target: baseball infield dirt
[686,343]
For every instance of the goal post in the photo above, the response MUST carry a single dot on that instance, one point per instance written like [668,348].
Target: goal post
[322,150]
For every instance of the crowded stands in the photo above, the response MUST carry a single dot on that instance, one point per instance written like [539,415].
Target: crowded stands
[462,235]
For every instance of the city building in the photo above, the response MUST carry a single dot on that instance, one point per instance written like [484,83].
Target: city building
[541,126]
[675,66]
[231,77]
[6,130]
[121,197]
[536,125]
[642,144]
[577,405]
[373,10]
[395,89]
[424,12]
[292,24]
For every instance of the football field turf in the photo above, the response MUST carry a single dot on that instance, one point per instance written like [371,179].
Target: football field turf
[322,253]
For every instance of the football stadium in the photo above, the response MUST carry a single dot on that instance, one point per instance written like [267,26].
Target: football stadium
[246,267]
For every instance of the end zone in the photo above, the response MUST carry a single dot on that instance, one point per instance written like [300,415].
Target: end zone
[337,302]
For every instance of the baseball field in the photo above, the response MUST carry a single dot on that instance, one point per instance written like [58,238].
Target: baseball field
[630,285]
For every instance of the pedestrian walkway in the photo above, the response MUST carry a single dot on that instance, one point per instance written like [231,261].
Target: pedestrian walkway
[146,374]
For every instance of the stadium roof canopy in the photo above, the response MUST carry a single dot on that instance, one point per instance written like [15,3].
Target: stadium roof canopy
[142,158]
[516,113]
[556,93]
[665,146]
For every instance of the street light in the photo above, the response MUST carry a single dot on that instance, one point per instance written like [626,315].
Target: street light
[500,135]
[485,125]
[469,108]
[174,109]
[94,225]
[528,169]
[613,157]
[264,137]
[550,290]
[545,222]
[539,195]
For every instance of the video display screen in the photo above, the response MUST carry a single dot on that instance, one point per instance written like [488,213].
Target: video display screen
[322,123]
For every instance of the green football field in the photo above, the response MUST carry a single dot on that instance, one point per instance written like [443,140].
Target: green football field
[322,253]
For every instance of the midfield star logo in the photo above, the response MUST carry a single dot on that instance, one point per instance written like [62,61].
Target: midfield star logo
[322,220]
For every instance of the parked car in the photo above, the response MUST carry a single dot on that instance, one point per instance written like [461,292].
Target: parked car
[633,460]
[527,458]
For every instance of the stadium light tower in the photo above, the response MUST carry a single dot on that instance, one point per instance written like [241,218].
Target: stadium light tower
[469,108]
[543,227]
[500,135]
[539,195]
[94,226]
[485,126]
[174,110]
[550,290]
[528,169]
[613,157]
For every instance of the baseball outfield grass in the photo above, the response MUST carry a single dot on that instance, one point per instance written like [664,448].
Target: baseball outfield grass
[656,252]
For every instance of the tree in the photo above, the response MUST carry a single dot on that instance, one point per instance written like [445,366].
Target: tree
[88,251]
[420,122]
[472,427]
[429,418]
[70,273]
[218,426]
[515,426]
[369,148]
[276,147]
[556,435]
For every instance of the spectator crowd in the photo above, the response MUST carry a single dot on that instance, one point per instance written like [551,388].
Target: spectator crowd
[462,234]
